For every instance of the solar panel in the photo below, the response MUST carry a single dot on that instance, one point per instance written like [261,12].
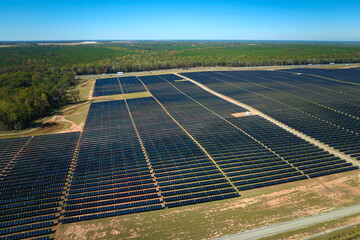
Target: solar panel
[33,182]
[105,87]
[321,108]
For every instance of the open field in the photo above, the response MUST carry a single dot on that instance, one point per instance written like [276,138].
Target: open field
[295,225]
[4,46]
[348,232]
[341,228]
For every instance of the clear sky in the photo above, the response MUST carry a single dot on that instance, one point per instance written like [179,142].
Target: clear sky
[186,19]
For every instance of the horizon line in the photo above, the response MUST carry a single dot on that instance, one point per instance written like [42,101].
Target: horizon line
[229,40]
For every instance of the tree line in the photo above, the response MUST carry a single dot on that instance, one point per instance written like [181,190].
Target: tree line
[26,96]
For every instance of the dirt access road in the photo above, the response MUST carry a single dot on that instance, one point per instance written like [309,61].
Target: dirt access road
[294,224]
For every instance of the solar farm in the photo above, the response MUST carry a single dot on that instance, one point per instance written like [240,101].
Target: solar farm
[181,145]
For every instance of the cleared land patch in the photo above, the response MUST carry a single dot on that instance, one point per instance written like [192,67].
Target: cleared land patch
[243,114]
[67,44]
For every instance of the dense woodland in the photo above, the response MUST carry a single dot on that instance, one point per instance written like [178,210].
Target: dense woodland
[35,80]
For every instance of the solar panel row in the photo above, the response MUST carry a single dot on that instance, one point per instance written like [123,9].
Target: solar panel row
[347,75]
[9,148]
[225,143]
[131,85]
[175,157]
[111,175]
[110,86]
[105,87]
[290,151]
[32,184]
[326,110]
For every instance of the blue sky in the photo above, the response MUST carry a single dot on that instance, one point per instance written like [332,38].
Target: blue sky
[216,20]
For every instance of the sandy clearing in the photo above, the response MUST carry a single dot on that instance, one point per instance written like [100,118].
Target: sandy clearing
[4,46]
[90,97]
[59,118]
[67,44]
[74,127]
[243,114]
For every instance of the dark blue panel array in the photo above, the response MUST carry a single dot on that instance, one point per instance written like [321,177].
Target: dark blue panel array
[131,85]
[348,75]
[9,148]
[111,86]
[32,186]
[181,168]
[300,154]
[107,86]
[171,77]
[244,160]
[112,176]
[323,109]
[107,115]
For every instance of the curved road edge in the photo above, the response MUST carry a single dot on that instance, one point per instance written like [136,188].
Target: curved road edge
[294,224]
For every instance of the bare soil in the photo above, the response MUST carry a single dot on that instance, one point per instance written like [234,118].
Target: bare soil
[4,46]
[57,119]
[66,44]
[91,91]
[49,127]
[243,114]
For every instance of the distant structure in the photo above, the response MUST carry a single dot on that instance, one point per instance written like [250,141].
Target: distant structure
[298,73]
[248,113]
[119,73]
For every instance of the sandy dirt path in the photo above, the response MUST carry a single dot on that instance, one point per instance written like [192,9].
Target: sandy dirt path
[294,224]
